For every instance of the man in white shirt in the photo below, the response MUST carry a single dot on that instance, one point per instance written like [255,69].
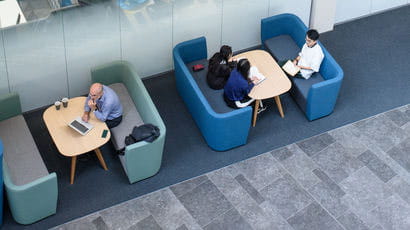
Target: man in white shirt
[310,57]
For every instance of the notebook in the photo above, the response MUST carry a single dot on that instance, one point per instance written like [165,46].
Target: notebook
[290,68]
[80,126]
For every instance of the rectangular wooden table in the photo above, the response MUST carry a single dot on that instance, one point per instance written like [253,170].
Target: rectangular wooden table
[69,142]
[275,84]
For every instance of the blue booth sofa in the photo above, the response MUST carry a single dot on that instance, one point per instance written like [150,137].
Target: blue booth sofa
[283,36]
[222,127]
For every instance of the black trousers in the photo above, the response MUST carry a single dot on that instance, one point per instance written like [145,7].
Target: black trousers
[114,122]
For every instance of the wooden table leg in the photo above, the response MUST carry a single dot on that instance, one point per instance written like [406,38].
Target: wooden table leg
[255,112]
[100,158]
[279,104]
[73,163]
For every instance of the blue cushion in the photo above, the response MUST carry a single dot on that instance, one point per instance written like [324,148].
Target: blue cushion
[282,47]
[214,97]
[300,88]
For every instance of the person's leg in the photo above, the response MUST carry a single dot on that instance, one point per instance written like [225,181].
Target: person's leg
[114,122]
[229,102]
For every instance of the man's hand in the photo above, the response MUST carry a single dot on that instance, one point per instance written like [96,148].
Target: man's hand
[86,116]
[295,62]
[92,104]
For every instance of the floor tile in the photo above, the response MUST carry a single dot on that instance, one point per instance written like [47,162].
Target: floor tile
[300,167]
[248,188]
[400,153]
[348,137]
[147,223]
[205,203]
[125,215]
[230,220]
[351,222]
[401,187]
[398,116]
[167,210]
[336,162]
[365,188]
[394,214]
[274,216]
[315,144]
[377,128]
[313,217]
[329,195]
[382,170]
[260,171]
[186,186]
[286,195]
[281,154]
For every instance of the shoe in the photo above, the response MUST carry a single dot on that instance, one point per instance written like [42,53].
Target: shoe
[261,109]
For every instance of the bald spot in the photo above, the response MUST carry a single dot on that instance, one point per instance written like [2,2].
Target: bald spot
[96,88]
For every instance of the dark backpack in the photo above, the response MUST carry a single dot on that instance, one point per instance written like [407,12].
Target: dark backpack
[145,132]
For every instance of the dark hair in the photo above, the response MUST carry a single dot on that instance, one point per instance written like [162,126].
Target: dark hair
[225,52]
[243,67]
[313,34]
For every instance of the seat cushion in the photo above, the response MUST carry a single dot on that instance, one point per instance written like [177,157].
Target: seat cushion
[20,151]
[130,116]
[214,97]
[300,88]
[282,47]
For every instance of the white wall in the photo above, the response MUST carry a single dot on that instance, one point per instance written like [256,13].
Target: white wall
[51,59]
[322,15]
[350,9]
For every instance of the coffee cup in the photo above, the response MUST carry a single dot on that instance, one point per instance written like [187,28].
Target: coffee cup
[65,102]
[57,104]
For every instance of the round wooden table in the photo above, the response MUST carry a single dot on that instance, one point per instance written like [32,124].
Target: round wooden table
[69,142]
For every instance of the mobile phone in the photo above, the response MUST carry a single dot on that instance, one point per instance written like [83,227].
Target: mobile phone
[104,133]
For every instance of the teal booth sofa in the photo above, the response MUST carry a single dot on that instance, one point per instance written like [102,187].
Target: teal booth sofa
[31,190]
[142,159]
[283,36]
[222,127]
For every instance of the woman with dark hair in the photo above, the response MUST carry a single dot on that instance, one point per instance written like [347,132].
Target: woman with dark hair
[239,85]
[220,67]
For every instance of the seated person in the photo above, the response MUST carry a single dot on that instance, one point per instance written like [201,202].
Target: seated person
[220,67]
[310,57]
[105,104]
[239,85]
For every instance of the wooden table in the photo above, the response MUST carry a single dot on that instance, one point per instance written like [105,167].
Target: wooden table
[69,142]
[275,84]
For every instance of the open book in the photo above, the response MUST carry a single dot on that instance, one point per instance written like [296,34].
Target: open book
[254,72]
[290,68]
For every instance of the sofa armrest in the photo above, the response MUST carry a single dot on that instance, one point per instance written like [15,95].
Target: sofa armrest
[143,159]
[33,201]
[9,106]
[322,98]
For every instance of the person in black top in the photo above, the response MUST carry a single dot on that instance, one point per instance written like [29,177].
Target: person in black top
[219,68]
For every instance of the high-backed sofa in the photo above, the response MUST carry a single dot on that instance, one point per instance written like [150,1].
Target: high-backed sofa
[31,190]
[142,159]
[222,127]
[283,36]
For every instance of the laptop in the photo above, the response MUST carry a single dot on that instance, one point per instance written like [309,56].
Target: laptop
[80,126]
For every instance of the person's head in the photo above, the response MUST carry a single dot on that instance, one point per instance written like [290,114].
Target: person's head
[312,37]
[96,91]
[226,52]
[243,67]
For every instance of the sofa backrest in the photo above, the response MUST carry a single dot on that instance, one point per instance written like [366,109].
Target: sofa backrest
[9,106]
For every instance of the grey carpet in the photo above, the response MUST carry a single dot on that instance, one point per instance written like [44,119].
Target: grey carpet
[373,52]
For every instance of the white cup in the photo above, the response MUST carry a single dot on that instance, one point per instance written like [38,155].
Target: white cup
[57,105]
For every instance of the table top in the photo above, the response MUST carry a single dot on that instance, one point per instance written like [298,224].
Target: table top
[276,82]
[68,141]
